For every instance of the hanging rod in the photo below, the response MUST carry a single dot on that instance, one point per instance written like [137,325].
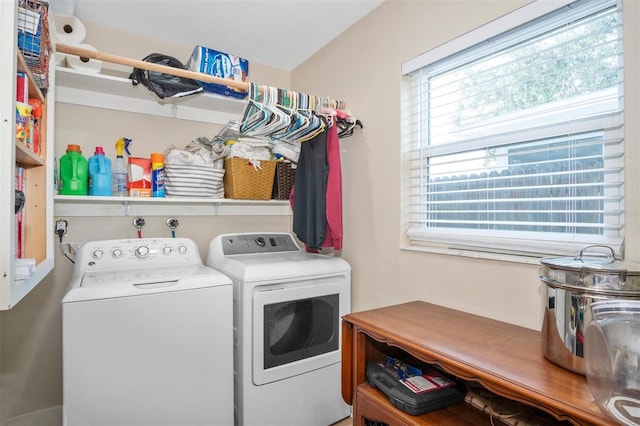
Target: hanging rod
[135,63]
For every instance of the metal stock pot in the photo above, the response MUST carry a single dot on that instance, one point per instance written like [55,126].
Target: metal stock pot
[573,284]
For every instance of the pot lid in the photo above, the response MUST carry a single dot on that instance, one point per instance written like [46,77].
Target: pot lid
[597,263]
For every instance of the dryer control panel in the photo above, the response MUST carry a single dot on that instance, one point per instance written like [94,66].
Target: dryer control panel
[257,243]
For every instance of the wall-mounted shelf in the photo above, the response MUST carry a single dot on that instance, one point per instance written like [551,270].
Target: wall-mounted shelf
[117,93]
[67,205]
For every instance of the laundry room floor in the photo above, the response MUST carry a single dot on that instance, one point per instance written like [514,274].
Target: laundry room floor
[344,422]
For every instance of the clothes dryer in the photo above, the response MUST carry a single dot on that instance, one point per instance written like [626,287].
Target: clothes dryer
[147,336]
[288,306]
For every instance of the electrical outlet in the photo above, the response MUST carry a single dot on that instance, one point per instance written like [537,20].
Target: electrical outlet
[61,226]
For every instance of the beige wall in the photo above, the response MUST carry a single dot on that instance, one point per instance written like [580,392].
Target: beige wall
[361,67]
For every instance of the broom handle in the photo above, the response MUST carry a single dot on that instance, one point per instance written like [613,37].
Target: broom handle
[135,63]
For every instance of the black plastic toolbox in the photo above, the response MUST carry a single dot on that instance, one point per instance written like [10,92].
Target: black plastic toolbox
[414,390]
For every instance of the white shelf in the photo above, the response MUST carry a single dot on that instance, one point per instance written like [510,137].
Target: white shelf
[69,205]
[117,93]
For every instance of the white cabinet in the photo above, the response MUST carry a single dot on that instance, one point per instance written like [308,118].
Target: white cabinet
[38,172]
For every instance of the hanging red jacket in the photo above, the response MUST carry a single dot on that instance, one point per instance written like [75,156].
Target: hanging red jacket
[333,234]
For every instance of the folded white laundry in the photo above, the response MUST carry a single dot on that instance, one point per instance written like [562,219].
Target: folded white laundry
[180,157]
[251,150]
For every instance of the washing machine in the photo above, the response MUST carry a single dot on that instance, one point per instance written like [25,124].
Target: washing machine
[147,336]
[288,306]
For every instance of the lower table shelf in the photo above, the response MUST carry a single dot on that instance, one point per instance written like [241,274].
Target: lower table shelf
[373,408]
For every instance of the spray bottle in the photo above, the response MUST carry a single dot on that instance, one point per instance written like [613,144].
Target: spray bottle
[119,187]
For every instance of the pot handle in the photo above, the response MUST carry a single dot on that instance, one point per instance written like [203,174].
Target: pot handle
[612,256]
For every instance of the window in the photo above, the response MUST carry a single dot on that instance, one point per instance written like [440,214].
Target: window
[515,144]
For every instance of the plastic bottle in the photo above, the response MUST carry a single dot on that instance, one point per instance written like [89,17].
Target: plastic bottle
[157,174]
[99,173]
[74,171]
[119,179]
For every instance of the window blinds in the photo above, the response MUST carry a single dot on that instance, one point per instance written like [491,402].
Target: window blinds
[516,144]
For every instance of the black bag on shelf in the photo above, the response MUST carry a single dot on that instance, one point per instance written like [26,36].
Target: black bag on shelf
[414,390]
[165,85]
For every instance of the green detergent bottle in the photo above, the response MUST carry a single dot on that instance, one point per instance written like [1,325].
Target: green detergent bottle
[74,172]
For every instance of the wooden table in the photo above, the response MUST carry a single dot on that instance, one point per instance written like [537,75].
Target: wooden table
[504,358]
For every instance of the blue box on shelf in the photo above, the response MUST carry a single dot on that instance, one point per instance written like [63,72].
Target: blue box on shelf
[222,65]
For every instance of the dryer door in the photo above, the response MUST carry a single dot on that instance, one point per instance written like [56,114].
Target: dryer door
[296,328]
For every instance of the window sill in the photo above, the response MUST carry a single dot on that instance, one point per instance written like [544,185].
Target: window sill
[500,257]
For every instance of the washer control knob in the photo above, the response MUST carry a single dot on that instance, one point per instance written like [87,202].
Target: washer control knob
[260,242]
[97,254]
[182,249]
[116,253]
[166,250]
[142,252]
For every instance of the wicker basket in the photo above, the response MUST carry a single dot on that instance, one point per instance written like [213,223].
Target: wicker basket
[283,180]
[250,180]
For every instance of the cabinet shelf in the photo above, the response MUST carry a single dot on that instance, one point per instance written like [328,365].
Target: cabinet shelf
[26,157]
[69,205]
[34,90]
[31,235]
[117,93]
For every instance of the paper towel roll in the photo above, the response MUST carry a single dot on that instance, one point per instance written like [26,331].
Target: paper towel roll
[84,64]
[69,30]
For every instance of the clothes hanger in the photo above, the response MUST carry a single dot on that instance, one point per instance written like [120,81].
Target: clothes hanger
[255,112]
[299,120]
[347,125]
[278,119]
[287,104]
[304,115]
[316,127]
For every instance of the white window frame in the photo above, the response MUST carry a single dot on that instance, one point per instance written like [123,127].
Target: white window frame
[468,242]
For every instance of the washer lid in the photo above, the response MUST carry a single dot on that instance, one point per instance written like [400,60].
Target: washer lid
[140,281]
[141,276]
